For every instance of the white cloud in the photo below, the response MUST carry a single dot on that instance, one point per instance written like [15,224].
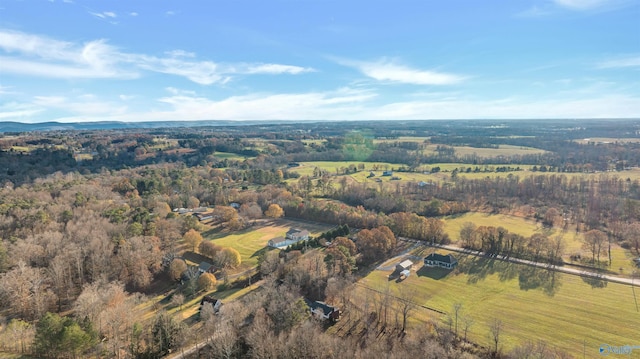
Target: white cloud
[175,91]
[45,57]
[170,13]
[621,62]
[276,69]
[6,90]
[126,97]
[535,11]
[84,105]
[203,72]
[180,53]
[593,5]
[389,71]
[14,111]
[133,13]
[104,15]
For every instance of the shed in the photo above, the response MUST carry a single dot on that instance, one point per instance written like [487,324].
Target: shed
[405,265]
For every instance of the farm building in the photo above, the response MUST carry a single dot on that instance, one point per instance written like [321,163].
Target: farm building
[403,266]
[438,260]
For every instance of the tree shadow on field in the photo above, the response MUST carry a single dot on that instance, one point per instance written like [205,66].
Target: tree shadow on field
[478,268]
[433,272]
[595,282]
[547,280]
[260,252]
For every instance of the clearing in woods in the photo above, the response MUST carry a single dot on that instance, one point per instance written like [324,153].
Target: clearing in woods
[251,241]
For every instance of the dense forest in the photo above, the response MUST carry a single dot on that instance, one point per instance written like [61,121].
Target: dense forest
[93,235]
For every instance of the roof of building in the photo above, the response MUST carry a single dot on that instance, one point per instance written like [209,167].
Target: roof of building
[277,240]
[326,308]
[441,258]
[298,232]
[205,266]
[405,272]
[406,264]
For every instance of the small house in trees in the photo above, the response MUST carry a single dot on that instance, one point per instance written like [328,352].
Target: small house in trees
[204,216]
[404,266]
[292,236]
[438,260]
[387,173]
[216,303]
[206,267]
[323,310]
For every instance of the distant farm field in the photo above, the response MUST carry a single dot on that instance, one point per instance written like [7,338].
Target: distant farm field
[563,310]
[251,241]
[502,150]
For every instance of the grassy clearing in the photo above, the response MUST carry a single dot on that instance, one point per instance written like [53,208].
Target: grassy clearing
[252,241]
[564,310]
[513,224]
[230,156]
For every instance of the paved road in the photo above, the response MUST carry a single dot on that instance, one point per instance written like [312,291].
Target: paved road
[562,269]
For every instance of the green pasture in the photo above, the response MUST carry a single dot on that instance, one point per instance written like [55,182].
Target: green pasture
[252,241]
[230,156]
[565,311]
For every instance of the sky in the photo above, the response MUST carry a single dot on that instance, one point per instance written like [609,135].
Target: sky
[318,60]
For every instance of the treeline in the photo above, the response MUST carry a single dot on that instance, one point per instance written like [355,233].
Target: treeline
[499,241]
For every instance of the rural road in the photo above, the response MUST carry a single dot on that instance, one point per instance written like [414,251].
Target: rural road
[561,269]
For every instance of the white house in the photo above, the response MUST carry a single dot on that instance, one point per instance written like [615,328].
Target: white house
[292,236]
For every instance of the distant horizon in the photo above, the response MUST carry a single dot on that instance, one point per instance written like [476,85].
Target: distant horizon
[17,126]
[93,61]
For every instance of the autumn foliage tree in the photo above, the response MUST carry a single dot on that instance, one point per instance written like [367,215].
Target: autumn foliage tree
[176,268]
[207,281]
[193,238]
[209,249]
[376,243]
[274,211]
[228,258]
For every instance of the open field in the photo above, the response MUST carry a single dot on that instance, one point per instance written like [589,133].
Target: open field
[513,224]
[502,150]
[230,156]
[250,242]
[564,310]
[573,242]
[306,169]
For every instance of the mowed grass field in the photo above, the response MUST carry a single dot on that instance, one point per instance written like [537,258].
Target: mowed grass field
[573,242]
[250,242]
[563,310]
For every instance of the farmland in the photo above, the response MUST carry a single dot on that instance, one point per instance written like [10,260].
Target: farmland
[564,310]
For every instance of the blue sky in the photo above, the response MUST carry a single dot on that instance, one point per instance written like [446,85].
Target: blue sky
[144,60]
